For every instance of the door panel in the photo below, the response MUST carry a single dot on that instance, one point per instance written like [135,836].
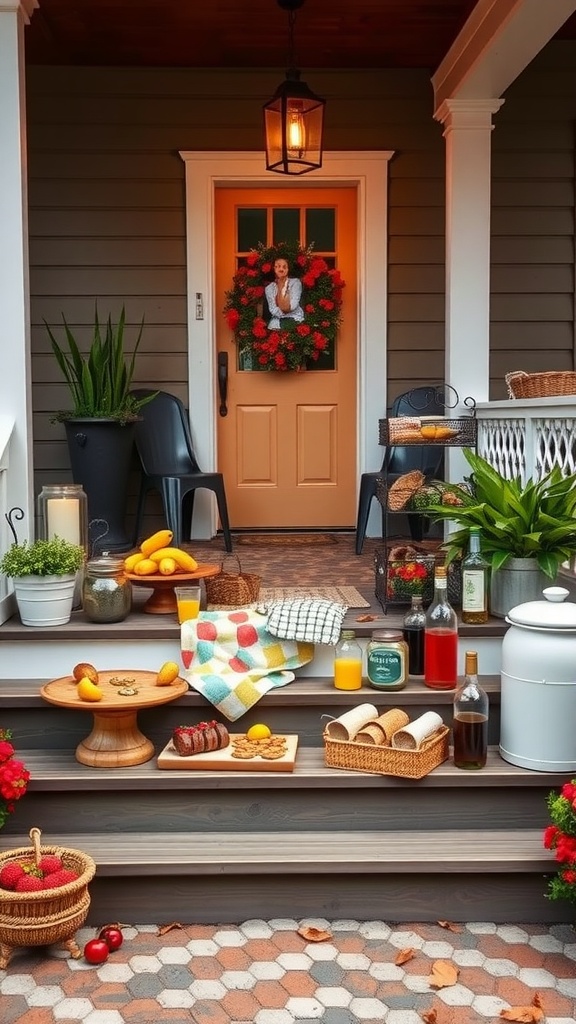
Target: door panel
[287,447]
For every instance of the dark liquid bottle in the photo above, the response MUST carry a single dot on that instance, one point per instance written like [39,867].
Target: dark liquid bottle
[470,722]
[413,630]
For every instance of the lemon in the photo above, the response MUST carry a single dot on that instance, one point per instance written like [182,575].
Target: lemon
[258,732]
[87,690]
[167,674]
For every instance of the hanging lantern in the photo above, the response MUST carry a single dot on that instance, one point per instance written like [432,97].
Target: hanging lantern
[294,117]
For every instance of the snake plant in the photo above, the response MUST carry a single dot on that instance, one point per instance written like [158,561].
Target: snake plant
[99,381]
[536,519]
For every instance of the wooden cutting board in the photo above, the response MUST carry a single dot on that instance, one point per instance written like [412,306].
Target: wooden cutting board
[222,760]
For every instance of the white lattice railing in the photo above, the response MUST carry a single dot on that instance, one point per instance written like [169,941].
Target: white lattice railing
[7,605]
[527,437]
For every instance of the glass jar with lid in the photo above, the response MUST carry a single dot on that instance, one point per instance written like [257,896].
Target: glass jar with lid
[106,591]
[387,660]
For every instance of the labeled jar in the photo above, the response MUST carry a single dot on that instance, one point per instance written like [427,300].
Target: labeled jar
[106,590]
[387,660]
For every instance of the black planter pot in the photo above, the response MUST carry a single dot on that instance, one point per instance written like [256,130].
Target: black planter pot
[100,456]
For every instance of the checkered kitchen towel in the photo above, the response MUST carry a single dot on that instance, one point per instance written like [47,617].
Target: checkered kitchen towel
[308,619]
[232,659]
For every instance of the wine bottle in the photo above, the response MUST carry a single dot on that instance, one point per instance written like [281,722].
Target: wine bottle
[470,721]
[441,637]
[413,630]
[475,576]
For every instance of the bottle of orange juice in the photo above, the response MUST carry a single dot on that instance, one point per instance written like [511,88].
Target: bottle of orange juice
[348,662]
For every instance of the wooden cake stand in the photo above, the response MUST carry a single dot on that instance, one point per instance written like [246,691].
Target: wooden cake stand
[115,740]
[162,600]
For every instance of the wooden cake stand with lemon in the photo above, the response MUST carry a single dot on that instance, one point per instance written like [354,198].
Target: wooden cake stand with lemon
[161,567]
[114,697]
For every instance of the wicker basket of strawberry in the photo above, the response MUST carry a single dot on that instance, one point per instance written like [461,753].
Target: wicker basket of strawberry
[44,896]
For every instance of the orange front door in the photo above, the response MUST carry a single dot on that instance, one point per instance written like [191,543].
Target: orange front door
[287,446]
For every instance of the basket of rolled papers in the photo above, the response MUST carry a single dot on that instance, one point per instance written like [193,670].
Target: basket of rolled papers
[364,741]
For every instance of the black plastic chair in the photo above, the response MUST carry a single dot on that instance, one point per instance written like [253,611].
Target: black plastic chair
[169,465]
[427,400]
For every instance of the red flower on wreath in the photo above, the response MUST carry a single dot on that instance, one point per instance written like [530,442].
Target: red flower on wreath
[560,836]
[245,308]
[14,777]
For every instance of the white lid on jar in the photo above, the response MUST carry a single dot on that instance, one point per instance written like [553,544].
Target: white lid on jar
[552,613]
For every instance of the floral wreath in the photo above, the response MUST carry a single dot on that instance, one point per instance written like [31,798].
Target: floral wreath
[14,777]
[286,348]
[560,836]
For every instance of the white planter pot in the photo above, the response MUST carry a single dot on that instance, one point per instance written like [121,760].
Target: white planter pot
[45,600]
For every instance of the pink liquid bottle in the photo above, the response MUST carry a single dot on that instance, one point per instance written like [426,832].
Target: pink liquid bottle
[441,638]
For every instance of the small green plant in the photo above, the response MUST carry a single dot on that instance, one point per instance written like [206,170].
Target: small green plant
[99,381]
[532,520]
[54,557]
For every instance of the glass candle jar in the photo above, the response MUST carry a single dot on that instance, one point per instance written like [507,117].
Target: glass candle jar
[387,661]
[106,591]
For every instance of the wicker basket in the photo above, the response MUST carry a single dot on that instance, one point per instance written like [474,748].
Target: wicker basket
[377,760]
[232,589]
[541,385]
[48,916]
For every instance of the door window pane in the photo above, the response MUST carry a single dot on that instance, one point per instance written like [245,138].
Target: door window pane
[251,228]
[321,229]
[285,225]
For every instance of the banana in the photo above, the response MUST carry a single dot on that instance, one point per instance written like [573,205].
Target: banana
[167,566]
[158,540]
[183,560]
[132,561]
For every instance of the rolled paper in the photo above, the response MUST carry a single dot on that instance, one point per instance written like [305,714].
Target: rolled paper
[391,721]
[348,725]
[372,733]
[412,736]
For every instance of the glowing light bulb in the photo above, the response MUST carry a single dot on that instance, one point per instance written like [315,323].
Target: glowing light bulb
[296,134]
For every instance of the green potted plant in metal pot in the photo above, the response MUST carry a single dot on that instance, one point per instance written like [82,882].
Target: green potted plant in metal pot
[99,426]
[527,530]
[44,576]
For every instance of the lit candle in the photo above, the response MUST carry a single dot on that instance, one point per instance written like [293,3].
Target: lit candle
[63,516]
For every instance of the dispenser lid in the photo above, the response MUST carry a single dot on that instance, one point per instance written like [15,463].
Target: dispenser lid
[552,613]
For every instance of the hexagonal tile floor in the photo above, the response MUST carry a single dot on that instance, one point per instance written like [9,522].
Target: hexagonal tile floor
[265,972]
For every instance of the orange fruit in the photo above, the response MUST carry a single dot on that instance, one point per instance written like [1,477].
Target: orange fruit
[87,690]
[84,670]
[258,732]
[428,432]
[167,674]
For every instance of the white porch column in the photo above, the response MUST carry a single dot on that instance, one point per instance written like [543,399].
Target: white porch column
[467,130]
[15,384]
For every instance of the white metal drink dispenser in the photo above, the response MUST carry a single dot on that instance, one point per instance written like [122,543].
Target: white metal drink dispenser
[538,685]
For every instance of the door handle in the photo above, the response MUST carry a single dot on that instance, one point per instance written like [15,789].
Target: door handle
[223,382]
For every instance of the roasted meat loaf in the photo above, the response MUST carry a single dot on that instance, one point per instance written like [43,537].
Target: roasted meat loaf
[200,739]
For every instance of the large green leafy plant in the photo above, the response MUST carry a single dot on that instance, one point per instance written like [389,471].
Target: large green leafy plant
[55,557]
[532,520]
[99,381]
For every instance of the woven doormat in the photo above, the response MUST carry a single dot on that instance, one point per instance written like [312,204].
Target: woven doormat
[285,539]
[344,595]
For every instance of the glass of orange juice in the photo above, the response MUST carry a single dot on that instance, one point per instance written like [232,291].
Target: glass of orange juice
[188,602]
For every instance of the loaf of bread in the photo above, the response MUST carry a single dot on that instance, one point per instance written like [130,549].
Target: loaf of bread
[200,739]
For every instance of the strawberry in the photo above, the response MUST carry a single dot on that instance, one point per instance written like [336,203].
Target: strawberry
[50,862]
[10,874]
[29,883]
[57,878]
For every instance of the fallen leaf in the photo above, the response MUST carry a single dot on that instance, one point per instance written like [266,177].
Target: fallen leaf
[526,1014]
[430,1016]
[164,928]
[314,934]
[404,955]
[444,973]
[365,618]
[450,926]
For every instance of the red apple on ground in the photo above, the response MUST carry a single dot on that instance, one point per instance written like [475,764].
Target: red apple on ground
[96,951]
[112,936]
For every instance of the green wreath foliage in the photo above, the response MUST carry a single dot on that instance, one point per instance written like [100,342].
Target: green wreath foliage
[245,309]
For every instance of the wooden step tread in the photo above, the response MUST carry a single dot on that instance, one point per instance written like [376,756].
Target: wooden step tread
[53,770]
[466,852]
[315,691]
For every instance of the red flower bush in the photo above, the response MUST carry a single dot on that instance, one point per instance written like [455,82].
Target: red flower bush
[560,836]
[245,308]
[13,777]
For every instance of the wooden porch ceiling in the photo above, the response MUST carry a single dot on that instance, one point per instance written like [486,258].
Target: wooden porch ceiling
[235,34]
